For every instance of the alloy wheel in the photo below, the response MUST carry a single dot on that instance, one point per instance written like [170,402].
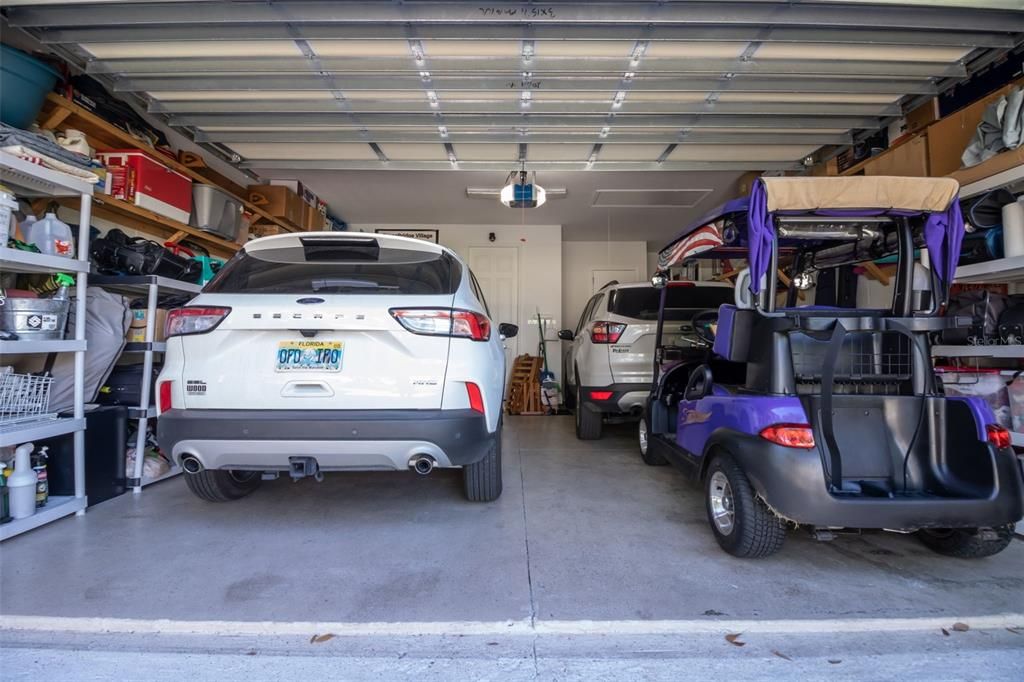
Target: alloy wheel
[722,504]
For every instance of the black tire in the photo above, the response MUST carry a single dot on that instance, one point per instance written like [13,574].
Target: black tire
[651,459]
[481,481]
[588,422]
[223,486]
[966,543]
[756,531]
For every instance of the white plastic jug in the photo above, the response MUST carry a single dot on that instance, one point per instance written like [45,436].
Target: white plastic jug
[8,205]
[51,236]
[22,483]
[1013,229]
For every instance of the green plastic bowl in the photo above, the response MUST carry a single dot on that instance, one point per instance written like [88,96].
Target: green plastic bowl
[24,82]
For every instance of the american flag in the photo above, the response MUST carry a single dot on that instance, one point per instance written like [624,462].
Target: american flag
[703,239]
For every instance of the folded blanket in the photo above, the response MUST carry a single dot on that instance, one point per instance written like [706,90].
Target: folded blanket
[10,136]
[48,162]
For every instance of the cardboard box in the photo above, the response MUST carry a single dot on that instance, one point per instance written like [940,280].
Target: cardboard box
[142,180]
[313,220]
[280,202]
[308,195]
[909,159]
[137,330]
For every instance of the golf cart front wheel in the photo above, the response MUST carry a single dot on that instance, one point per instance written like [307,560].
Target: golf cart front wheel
[643,436]
[967,543]
[742,523]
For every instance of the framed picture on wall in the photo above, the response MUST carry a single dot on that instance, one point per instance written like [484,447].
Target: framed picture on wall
[425,235]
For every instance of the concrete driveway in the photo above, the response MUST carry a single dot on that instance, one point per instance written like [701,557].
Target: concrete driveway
[591,565]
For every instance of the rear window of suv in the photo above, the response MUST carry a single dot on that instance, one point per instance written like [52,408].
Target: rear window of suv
[338,267]
[641,303]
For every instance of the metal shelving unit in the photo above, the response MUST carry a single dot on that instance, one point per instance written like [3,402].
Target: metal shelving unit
[1016,351]
[29,180]
[150,285]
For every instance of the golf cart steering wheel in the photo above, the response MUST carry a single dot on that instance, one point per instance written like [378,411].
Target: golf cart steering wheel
[703,325]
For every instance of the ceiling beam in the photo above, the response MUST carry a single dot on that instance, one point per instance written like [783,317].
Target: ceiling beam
[722,12]
[513,66]
[739,137]
[882,35]
[496,122]
[421,106]
[741,83]
[341,164]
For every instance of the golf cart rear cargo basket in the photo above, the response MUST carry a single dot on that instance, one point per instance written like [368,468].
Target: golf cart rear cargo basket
[867,359]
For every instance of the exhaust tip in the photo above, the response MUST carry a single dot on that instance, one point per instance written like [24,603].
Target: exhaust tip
[422,464]
[191,465]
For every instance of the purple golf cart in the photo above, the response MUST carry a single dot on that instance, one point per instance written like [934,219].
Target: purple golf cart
[829,417]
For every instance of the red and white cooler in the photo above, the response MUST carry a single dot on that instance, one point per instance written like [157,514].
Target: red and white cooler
[138,178]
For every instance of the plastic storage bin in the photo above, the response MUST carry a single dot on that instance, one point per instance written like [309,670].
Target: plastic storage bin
[216,211]
[24,82]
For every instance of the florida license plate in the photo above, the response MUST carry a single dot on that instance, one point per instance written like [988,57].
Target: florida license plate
[310,356]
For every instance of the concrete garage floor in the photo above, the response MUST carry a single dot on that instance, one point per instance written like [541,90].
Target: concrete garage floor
[591,565]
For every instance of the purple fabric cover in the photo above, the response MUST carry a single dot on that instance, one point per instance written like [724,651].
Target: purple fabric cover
[943,233]
[760,234]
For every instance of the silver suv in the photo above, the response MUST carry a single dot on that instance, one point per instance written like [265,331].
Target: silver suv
[609,365]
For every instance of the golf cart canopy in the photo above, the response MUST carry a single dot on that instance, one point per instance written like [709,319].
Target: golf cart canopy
[814,215]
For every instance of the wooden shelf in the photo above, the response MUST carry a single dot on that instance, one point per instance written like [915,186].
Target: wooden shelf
[61,112]
[121,212]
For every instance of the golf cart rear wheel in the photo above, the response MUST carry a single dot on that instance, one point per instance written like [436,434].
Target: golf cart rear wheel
[588,422]
[643,436]
[222,485]
[742,523]
[967,543]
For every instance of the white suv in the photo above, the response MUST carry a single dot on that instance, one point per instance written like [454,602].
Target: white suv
[329,351]
[609,365]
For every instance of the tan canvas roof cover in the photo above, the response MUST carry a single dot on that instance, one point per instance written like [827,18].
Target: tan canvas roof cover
[877,191]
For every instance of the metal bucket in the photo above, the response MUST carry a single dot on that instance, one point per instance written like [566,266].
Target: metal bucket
[42,319]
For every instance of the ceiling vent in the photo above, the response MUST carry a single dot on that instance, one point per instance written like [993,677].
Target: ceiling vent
[649,198]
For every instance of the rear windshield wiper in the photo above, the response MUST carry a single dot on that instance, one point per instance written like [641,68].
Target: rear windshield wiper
[319,284]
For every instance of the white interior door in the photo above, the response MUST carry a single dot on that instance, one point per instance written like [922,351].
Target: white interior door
[622,276]
[497,270]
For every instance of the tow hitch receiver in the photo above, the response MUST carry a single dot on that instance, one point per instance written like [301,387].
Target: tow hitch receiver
[301,467]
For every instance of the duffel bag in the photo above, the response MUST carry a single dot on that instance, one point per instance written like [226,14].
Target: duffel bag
[984,308]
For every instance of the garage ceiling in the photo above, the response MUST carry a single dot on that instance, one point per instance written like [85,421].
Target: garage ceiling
[423,85]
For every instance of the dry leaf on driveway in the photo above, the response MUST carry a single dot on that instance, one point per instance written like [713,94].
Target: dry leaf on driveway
[735,639]
[320,639]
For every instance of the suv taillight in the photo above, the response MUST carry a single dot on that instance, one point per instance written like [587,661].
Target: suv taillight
[194,320]
[606,332]
[444,322]
[164,401]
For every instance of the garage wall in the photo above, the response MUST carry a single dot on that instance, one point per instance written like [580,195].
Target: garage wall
[580,259]
[540,269]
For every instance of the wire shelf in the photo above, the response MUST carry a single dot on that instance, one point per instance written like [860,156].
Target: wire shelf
[24,398]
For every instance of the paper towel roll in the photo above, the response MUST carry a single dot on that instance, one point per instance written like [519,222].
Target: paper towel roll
[1013,229]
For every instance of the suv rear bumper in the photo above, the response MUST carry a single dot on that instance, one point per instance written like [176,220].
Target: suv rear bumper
[624,398]
[338,439]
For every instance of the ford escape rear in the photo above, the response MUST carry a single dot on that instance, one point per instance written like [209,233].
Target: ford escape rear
[332,352]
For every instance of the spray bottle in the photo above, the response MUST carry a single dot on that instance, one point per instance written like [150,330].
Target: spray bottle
[42,480]
[22,483]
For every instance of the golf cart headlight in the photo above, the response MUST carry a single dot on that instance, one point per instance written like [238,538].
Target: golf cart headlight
[804,280]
